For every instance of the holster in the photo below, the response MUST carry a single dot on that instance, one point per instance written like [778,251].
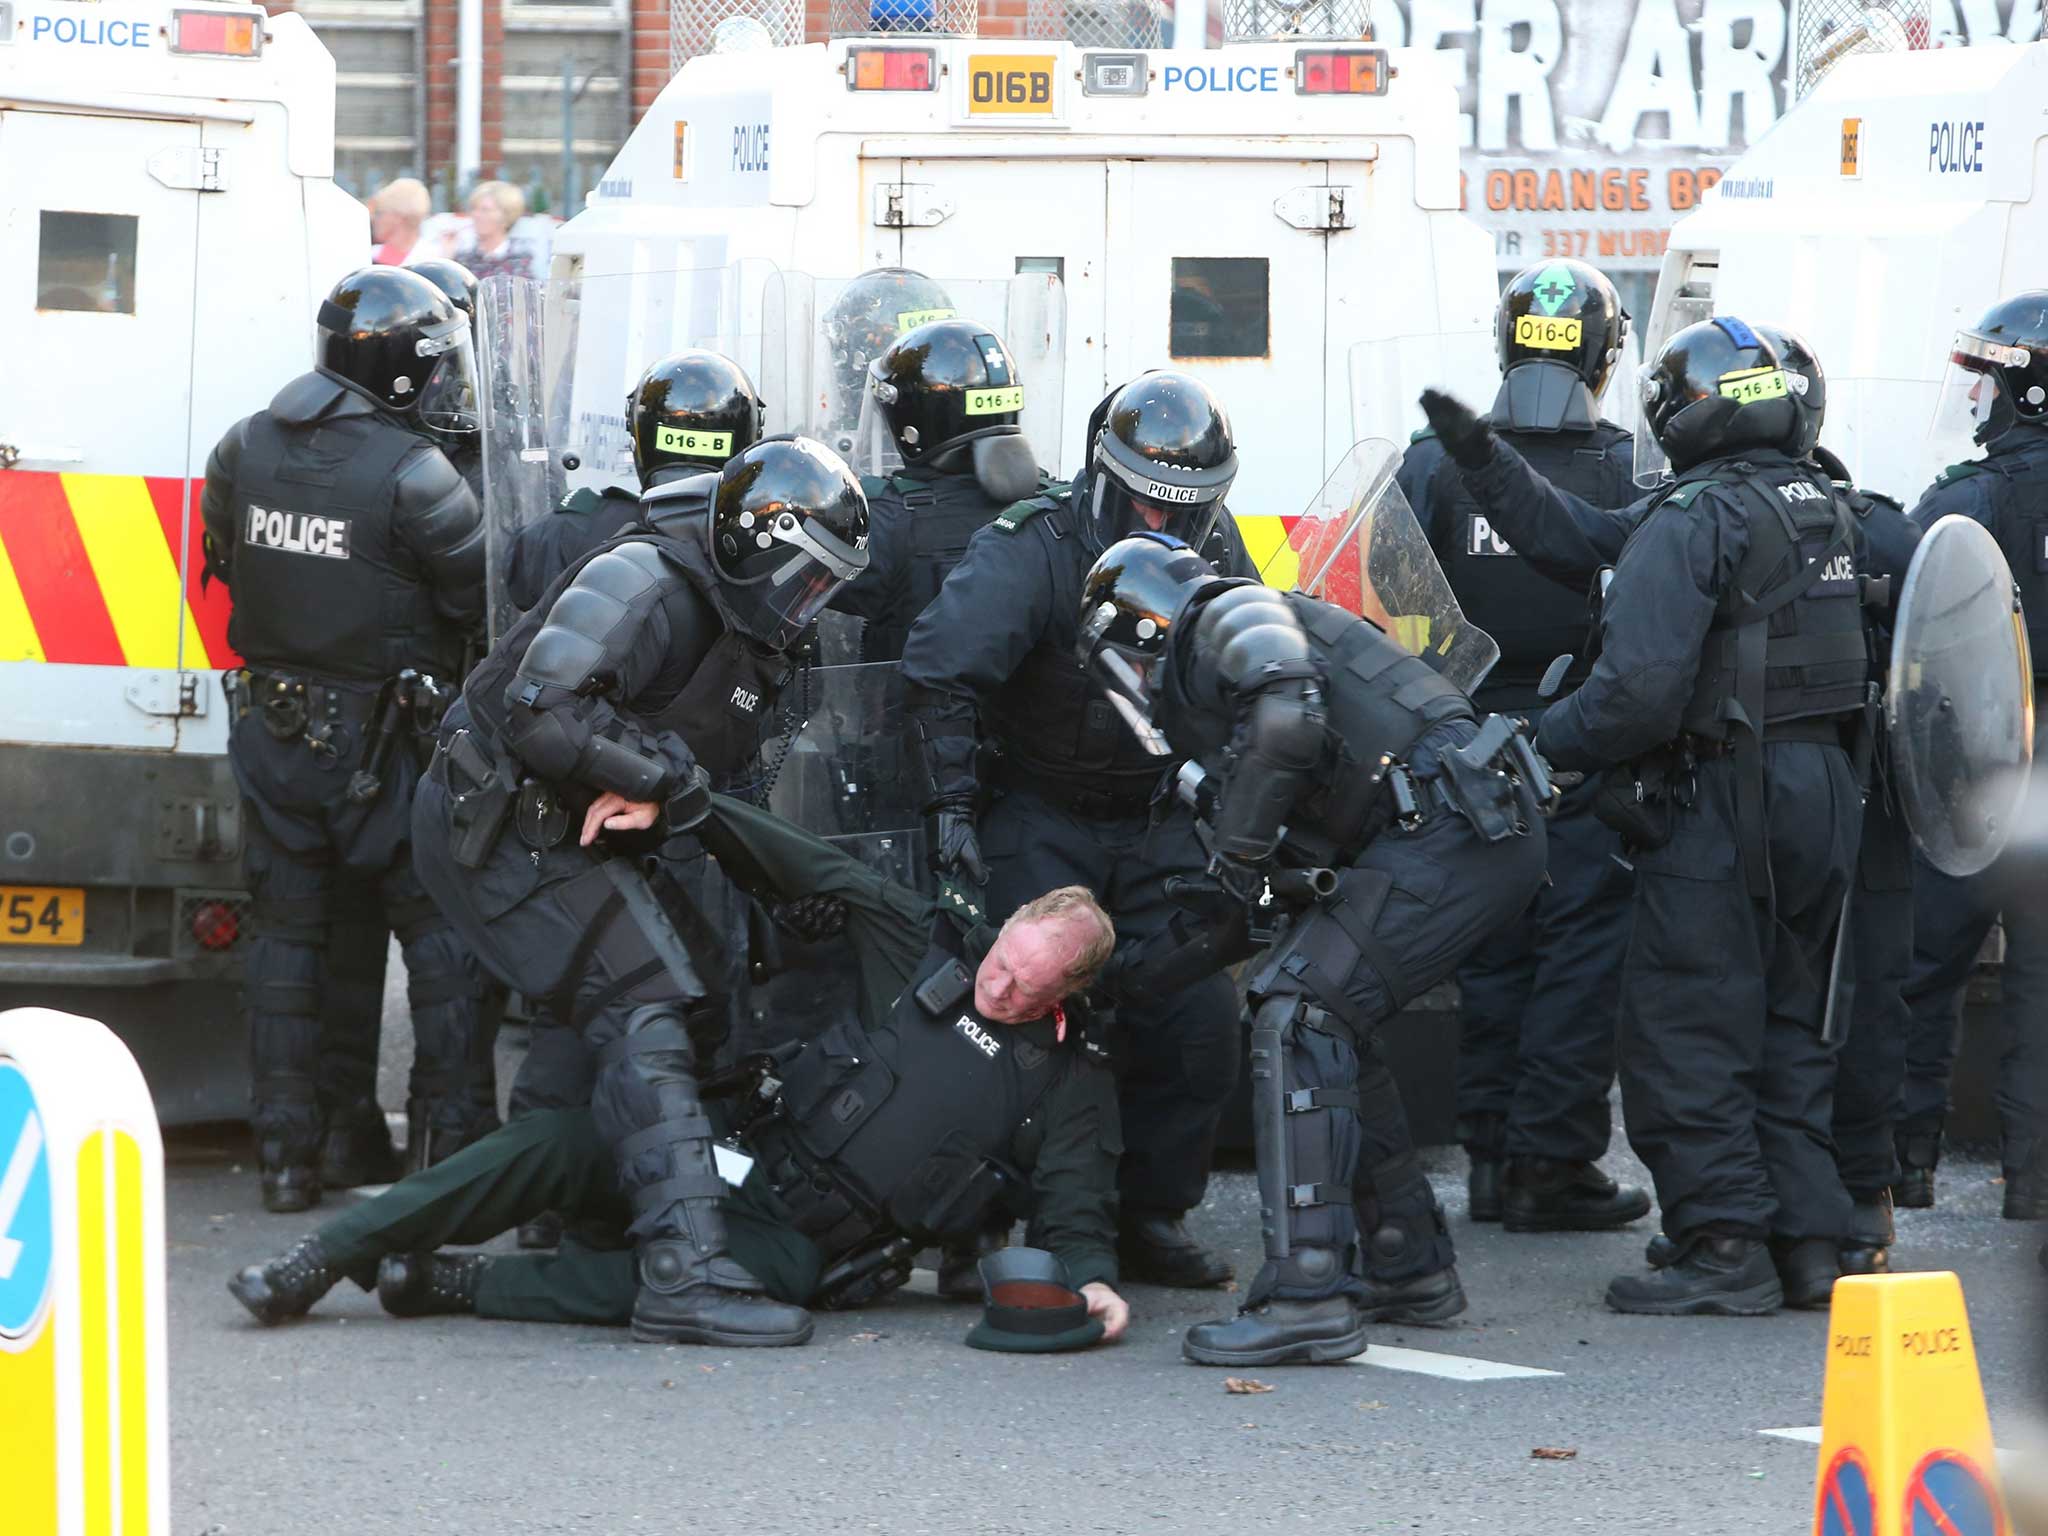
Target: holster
[1485,779]
[480,798]
[866,1274]
[1639,800]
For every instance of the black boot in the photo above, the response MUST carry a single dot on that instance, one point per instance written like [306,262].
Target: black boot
[1280,1332]
[430,1284]
[357,1149]
[1483,1137]
[2026,1191]
[544,1231]
[288,1285]
[290,1187]
[1919,1152]
[1867,1248]
[687,1297]
[1545,1194]
[1157,1248]
[1727,1276]
[1808,1268]
[1425,1299]
[959,1261]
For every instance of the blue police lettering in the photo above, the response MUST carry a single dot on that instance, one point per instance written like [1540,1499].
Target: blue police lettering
[750,147]
[1955,148]
[1213,79]
[92,32]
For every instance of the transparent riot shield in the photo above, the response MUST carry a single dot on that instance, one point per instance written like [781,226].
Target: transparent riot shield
[1960,702]
[820,334]
[1388,376]
[1359,546]
[522,477]
[847,767]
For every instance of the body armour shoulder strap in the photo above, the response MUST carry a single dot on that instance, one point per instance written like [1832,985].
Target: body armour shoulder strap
[322,585]
[1053,499]
[905,1128]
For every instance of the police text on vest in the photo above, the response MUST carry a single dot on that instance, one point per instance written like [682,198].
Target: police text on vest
[981,1039]
[298,533]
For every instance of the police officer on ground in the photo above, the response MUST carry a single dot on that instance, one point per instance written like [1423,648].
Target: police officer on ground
[1995,393]
[355,555]
[972,1086]
[580,747]
[991,664]
[945,398]
[1733,671]
[1537,999]
[1329,748]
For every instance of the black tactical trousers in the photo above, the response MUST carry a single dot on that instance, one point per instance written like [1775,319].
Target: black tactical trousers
[352,1003]
[1871,1070]
[301,837]
[1537,1004]
[1727,1086]
[1179,1053]
[1404,916]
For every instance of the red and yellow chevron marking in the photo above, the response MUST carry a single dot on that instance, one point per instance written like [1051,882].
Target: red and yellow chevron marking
[89,573]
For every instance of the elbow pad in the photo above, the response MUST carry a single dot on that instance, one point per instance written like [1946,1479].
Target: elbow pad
[606,764]
[1283,741]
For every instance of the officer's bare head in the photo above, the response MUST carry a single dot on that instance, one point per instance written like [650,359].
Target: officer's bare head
[1052,947]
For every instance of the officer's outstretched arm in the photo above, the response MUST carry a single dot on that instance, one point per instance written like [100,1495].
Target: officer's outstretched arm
[1559,533]
[1654,624]
[217,503]
[1250,649]
[435,515]
[609,633]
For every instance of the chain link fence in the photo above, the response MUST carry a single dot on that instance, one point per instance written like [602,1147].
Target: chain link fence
[929,18]
[1825,32]
[1247,21]
[1098,23]
[731,26]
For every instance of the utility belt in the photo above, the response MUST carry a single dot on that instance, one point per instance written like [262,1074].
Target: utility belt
[1640,800]
[1822,730]
[1078,799]
[339,722]
[1495,781]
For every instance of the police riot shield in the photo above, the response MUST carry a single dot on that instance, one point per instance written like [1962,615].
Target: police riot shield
[1359,546]
[1960,702]
[1389,374]
[820,334]
[847,768]
[522,479]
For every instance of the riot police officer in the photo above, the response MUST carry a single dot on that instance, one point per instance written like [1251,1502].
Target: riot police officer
[1537,1000]
[1995,394]
[1734,668]
[355,556]
[861,322]
[583,741]
[945,398]
[990,664]
[1353,783]
[689,414]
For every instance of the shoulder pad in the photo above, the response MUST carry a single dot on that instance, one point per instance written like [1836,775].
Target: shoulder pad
[874,485]
[1962,471]
[1017,514]
[1421,437]
[584,500]
[1681,496]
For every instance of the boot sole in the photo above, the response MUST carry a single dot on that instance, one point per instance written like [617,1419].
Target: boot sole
[289,1206]
[1310,1352]
[1757,1301]
[683,1333]
[1569,1222]
[1429,1314]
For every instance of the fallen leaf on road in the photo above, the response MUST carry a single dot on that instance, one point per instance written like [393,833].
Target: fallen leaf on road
[865,1338]
[1244,1385]
[1553,1453]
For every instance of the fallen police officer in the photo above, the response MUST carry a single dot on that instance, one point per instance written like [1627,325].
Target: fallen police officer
[961,1089]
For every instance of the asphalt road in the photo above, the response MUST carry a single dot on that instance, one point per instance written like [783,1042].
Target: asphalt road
[352,1422]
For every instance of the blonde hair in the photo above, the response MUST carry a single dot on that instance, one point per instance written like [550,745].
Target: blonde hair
[405,197]
[510,200]
[1070,901]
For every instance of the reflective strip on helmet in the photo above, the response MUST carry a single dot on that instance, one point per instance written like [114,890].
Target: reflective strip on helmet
[988,402]
[688,441]
[911,319]
[845,561]
[1548,335]
[1749,385]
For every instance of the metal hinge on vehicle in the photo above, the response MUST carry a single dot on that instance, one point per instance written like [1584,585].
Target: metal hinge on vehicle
[1314,208]
[175,694]
[188,168]
[910,205]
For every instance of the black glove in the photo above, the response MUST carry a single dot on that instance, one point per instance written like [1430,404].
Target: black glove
[1466,437]
[811,918]
[957,848]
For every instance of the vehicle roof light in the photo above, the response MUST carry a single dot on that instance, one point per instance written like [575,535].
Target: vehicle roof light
[224,34]
[1340,72]
[890,69]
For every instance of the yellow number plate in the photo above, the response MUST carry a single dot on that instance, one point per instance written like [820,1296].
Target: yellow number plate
[1547,335]
[1753,384]
[1009,84]
[42,914]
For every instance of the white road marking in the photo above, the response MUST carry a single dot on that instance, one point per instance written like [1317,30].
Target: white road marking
[1423,1362]
[1810,1434]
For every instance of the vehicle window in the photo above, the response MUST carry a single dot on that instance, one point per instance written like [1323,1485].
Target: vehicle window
[1056,265]
[86,261]
[1221,307]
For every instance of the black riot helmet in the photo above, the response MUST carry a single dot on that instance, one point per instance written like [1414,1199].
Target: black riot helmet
[1132,597]
[870,312]
[395,336]
[1715,388]
[946,395]
[1809,385]
[453,279]
[692,412]
[1162,457]
[1558,332]
[788,528]
[1997,376]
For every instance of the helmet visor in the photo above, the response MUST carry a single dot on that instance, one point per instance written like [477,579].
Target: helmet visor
[1653,464]
[792,591]
[448,399]
[1162,498]
[1967,410]
[874,450]
[1126,682]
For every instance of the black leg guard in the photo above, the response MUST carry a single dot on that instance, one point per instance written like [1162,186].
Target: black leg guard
[288,939]
[1401,1227]
[1305,1135]
[452,1097]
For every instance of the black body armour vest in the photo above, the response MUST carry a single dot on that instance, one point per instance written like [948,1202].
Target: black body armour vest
[903,1129]
[942,512]
[1788,641]
[2018,487]
[720,713]
[1532,618]
[322,586]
